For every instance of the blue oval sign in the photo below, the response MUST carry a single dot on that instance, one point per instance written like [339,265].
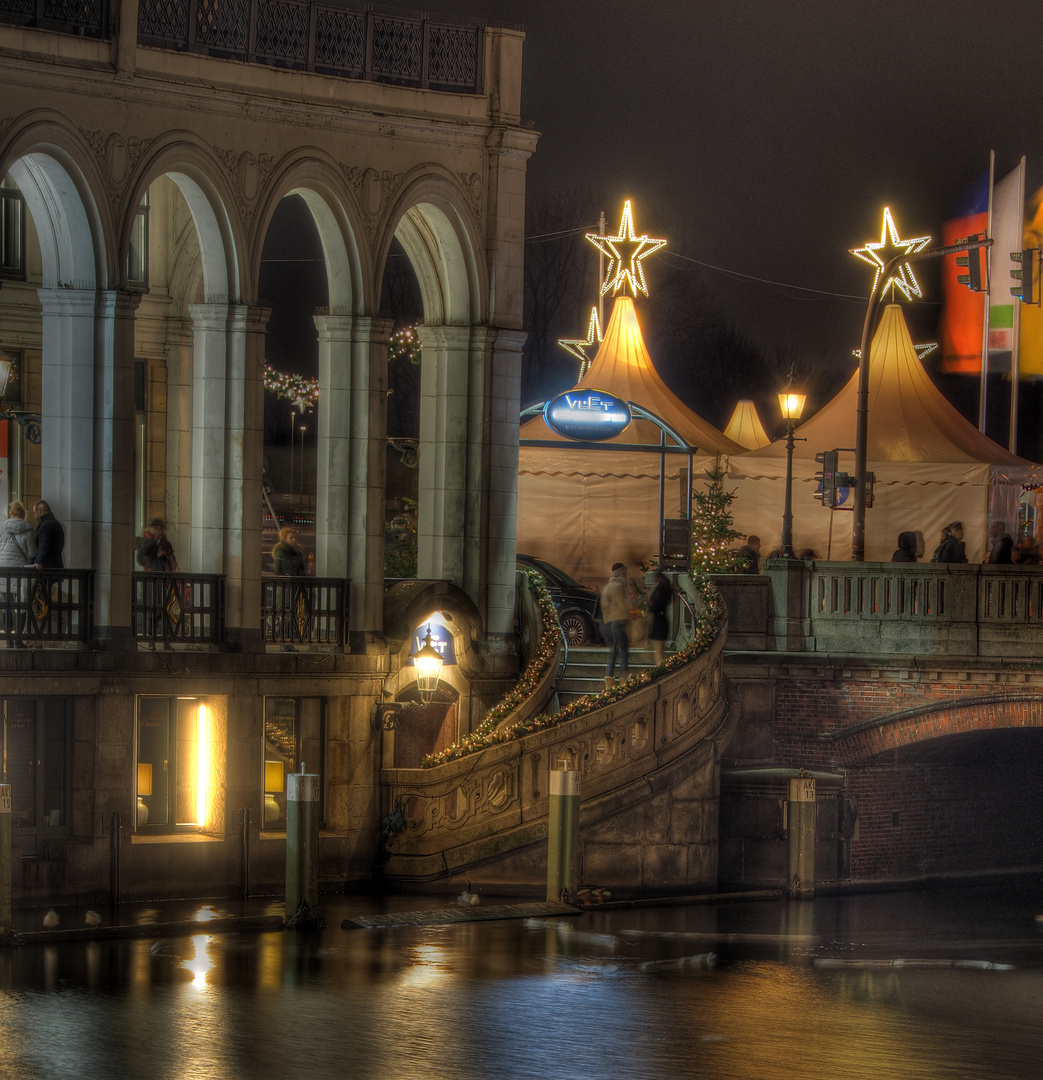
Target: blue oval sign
[591,415]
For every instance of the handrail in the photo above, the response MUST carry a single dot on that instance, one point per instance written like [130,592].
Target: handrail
[304,611]
[177,608]
[46,605]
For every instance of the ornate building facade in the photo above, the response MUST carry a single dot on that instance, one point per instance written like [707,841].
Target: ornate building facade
[144,154]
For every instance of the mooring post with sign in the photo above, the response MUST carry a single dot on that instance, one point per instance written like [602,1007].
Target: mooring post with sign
[801,828]
[563,835]
[302,849]
[5,863]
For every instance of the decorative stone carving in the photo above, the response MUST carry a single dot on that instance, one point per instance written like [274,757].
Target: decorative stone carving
[117,159]
[247,175]
[472,183]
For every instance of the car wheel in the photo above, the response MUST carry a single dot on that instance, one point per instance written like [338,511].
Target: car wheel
[576,629]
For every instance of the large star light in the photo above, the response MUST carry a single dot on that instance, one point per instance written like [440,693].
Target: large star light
[878,255]
[626,252]
[578,348]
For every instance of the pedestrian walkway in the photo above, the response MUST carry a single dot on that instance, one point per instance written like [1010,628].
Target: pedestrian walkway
[585,673]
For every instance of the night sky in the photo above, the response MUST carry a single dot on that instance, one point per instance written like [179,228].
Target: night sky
[764,137]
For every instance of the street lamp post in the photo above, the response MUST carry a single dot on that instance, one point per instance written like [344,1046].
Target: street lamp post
[792,405]
[303,430]
[293,428]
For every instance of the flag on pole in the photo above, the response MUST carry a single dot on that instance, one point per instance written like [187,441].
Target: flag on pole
[1031,366]
[1007,217]
[961,329]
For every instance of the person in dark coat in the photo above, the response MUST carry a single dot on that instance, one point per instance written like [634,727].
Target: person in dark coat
[906,550]
[287,555]
[1001,546]
[751,552]
[155,552]
[658,602]
[950,550]
[50,538]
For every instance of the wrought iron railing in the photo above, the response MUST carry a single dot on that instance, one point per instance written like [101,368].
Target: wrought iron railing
[49,605]
[304,611]
[325,37]
[86,18]
[178,609]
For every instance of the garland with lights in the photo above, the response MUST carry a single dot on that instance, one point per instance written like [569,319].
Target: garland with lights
[303,392]
[490,733]
[404,344]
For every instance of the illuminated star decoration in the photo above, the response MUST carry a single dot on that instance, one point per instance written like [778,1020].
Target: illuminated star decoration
[878,255]
[625,253]
[578,348]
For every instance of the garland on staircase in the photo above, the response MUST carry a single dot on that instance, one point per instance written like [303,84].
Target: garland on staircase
[491,733]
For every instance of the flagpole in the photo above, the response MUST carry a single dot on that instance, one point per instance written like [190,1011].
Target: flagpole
[984,392]
[1015,345]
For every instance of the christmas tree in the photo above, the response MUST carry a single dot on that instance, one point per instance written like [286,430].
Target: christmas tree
[712,534]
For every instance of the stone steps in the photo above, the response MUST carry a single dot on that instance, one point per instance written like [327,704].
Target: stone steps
[585,673]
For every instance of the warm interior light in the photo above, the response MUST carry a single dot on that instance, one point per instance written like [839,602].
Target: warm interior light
[144,777]
[792,405]
[427,662]
[5,374]
[202,765]
[273,776]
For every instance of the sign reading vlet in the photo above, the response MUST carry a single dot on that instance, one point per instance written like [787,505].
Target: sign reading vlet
[587,414]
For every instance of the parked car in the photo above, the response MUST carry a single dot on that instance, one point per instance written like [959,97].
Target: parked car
[577,605]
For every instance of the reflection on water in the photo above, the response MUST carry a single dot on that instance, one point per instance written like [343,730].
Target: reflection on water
[709,992]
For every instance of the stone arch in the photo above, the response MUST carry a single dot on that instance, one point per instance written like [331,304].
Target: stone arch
[435,224]
[862,742]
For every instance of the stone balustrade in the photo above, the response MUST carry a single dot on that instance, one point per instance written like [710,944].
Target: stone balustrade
[886,608]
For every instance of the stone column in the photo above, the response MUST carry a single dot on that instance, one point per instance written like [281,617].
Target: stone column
[504,404]
[352,422]
[209,418]
[114,452]
[67,412]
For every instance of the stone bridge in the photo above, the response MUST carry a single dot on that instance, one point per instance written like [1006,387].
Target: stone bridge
[912,693]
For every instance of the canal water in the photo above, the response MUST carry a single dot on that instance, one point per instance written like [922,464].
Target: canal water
[933,984]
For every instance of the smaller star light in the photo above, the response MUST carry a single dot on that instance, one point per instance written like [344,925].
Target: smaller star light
[578,348]
[625,252]
[920,350]
[878,255]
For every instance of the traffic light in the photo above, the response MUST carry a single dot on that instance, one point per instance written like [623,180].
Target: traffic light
[972,260]
[1026,276]
[827,478]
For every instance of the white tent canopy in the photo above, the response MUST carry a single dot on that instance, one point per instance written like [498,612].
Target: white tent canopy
[932,466]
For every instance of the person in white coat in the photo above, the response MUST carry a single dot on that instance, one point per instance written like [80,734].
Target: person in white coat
[17,550]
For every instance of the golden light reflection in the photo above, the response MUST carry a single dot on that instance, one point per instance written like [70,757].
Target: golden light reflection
[202,765]
[201,962]
[427,966]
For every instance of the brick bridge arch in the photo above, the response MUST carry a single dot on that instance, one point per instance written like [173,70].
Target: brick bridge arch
[859,743]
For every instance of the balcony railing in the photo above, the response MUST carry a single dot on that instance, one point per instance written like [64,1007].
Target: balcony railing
[185,609]
[46,606]
[304,611]
[327,37]
[85,18]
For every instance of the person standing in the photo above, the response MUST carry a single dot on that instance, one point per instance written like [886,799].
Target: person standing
[17,549]
[1001,545]
[615,613]
[950,550]
[287,555]
[155,551]
[50,538]
[657,605]
[751,553]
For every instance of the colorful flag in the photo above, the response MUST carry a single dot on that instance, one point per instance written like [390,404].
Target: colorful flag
[1031,351]
[961,329]
[1007,216]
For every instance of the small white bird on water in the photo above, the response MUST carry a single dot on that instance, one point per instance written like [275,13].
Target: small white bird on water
[468,898]
[92,918]
[51,919]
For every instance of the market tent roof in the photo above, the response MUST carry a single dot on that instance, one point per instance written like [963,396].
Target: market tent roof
[910,420]
[623,367]
[745,426]
[931,464]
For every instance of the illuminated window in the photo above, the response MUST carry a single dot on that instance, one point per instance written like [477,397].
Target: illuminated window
[140,444]
[137,253]
[12,231]
[36,738]
[174,763]
[293,736]
[11,435]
